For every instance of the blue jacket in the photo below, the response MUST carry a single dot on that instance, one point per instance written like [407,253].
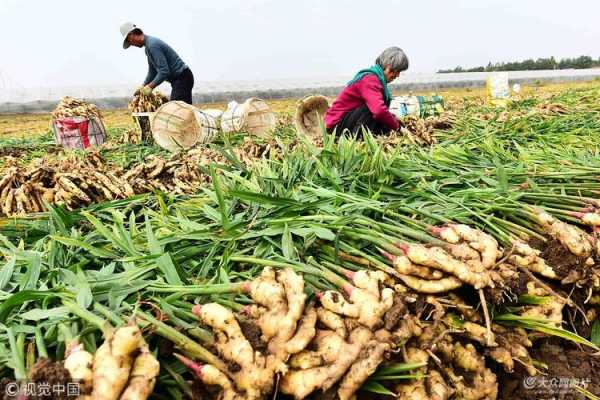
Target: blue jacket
[163,62]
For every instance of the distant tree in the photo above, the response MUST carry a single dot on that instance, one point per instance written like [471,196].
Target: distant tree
[530,64]
[584,62]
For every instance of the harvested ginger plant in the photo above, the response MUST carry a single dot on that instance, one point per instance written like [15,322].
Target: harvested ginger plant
[70,107]
[121,368]
[344,352]
[289,269]
[141,103]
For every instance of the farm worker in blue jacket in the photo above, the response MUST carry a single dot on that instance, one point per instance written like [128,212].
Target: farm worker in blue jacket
[163,64]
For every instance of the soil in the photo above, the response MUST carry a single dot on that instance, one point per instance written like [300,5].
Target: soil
[53,373]
[5,384]
[564,361]
[11,152]
[330,394]
[335,297]
[511,292]
[233,367]
[253,334]
[441,124]
[394,314]
[418,307]
[580,326]
[165,348]
[200,391]
[17,152]
[559,257]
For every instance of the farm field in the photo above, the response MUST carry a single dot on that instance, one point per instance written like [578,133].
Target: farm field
[19,125]
[456,259]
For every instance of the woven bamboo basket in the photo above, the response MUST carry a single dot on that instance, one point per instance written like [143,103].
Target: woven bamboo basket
[177,125]
[253,116]
[309,114]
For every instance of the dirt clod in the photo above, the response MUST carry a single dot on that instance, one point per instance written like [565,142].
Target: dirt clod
[559,257]
[567,366]
[53,373]
[253,334]
[394,314]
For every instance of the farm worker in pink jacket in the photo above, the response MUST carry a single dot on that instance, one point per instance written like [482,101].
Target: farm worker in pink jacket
[364,102]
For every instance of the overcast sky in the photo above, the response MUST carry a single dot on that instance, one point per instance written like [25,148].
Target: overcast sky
[68,42]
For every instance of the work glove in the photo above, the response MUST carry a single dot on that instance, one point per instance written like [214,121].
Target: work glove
[146,91]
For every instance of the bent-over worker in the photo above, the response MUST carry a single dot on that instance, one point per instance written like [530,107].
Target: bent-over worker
[163,64]
[364,102]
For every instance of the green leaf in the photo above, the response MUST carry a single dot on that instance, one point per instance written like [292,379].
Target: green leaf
[376,387]
[59,220]
[165,264]
[21,297]
[102,253]
[263,198]
[534,300]
[320,232]
[7,243]
[38,314]
[153,244]
[221,201]
[544,326]
[117,293]
[102,230]
[223,276]
[262,233]
[595,336]
[122,235]
[502,175]
[212,213]
[287,244]
[84,295]
[32,275]
[133,231]
[6,272]
[393,369]
[16,358]
[398,377]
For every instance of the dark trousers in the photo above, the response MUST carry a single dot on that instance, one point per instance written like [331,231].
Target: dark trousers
[354,121]
[181,87]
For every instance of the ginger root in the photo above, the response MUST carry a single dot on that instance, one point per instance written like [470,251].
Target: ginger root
[122,367]
[286,325]
[528,257]
[414,389]
[367,304]
[337,355]
[370,358]
[142,377]
[404,266]
[113,361]
[79,364]
[332,321]
[573,238]
[551,310]
[438,258]
[484,244]
[482,386]
[442,285]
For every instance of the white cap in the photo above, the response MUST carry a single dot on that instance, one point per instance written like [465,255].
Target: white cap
[126,29]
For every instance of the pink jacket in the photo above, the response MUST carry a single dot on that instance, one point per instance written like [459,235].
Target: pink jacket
[366,91]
